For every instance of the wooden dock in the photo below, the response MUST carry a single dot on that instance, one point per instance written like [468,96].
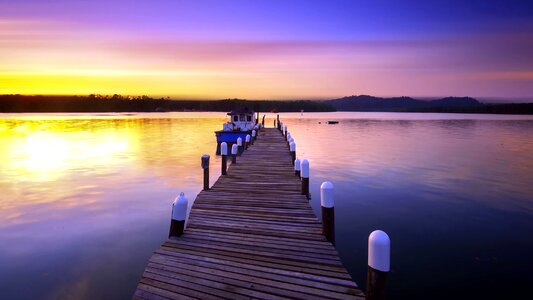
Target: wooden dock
[252,235]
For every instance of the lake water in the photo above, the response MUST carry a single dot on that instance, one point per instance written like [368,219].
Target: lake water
[86,198]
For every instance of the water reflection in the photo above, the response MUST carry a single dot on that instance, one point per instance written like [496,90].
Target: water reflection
[85,198]
[80,192]
[454,195]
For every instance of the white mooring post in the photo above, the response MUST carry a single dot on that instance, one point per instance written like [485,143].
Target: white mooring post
[292,149]
[205,166]
[253,136]
[224,152]
[297,167]
[179,213]
[247,143]
[239,145]
[234,151]
[328,211]
[378,265]
[305,177]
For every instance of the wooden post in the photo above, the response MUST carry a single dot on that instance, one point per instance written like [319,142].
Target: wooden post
[285,132]
[239,145]
[297,167]
[234,150]
[378,265]
[179,213]
[328,211]
[205,166]
[247,143]
[293,151]
[305,177]
[224,152]
[277,118]
[253,136]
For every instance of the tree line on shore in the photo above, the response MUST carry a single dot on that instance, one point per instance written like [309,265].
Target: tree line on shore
[118,103]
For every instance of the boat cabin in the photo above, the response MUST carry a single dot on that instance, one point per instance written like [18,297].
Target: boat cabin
[240,120]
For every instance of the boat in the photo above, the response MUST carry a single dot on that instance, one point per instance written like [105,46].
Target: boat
[240,124]
[333,122]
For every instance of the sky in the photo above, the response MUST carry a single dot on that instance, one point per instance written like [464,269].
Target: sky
[267,49]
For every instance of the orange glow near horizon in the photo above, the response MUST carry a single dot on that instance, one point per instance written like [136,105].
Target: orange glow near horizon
[56,56]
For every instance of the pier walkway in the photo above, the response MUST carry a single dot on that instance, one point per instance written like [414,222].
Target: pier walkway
[251,235]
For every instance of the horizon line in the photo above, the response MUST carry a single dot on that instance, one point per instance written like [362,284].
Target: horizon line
[492,99]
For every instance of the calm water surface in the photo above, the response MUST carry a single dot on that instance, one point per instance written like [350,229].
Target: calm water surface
[86,198]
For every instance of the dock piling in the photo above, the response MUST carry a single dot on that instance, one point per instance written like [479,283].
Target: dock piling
[293,151]
[234,150]
[285,132]
[179,213]
[239,145]
[297,167]
[254,133]
[224,152]
[247,143]
[328,211]
[205,166]
[304,168]
[378,265]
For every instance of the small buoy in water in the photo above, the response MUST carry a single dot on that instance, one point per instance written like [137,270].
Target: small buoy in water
[319,122]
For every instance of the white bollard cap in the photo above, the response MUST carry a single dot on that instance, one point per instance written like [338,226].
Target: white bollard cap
[379,251]
[224,148]
[179,208]
[248,137]
[253,133]
[234,149]
[239,141]
[326,194]
[293,146]
[297,165]
[305,168]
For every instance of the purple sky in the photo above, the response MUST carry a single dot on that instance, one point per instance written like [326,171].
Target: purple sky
[267,49]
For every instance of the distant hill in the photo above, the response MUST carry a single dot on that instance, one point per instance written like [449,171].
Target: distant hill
[370,103]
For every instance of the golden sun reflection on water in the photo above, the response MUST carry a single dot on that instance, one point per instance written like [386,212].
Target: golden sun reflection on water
[38,155]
